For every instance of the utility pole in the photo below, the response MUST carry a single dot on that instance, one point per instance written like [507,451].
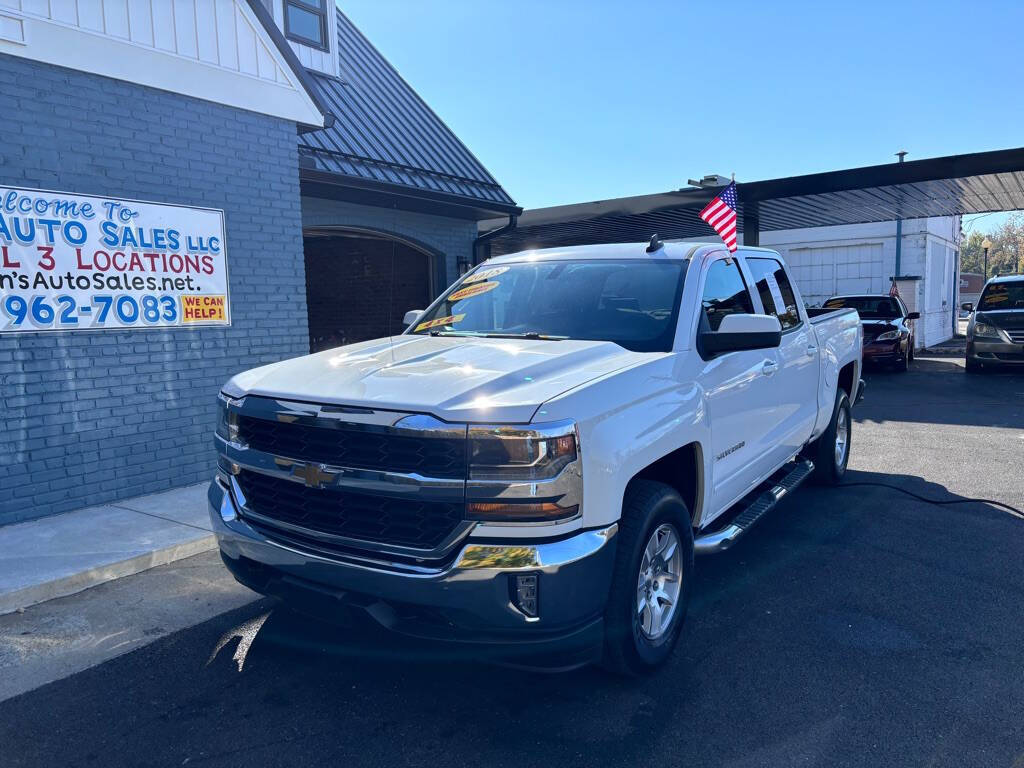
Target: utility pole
[899,229]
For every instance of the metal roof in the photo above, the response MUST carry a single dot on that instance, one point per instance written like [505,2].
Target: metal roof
[943,186]
[385,134]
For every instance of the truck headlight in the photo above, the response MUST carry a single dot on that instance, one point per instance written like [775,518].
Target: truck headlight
[227,418]
[888,335]
[524,474]
[519,454]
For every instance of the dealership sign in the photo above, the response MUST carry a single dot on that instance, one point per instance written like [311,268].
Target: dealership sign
[81,263]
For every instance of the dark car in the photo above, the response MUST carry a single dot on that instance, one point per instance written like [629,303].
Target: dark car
[995,332]
[888,327]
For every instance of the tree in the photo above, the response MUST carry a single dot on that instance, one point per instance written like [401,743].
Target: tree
[1006,254]
[1008,246]
[972,258]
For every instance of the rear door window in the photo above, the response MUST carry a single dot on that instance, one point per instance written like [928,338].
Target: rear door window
[775,290]
[725,293]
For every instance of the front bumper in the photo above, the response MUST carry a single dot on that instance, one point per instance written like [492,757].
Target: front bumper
[467,601]
[884,352]
[985,350]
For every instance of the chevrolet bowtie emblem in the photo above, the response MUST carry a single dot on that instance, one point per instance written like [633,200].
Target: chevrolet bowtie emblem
[314,475]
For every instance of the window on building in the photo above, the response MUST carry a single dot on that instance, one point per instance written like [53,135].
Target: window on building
[725,293]
[775,290]
[305,21]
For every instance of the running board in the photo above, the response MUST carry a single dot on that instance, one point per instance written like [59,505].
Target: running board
[765,502]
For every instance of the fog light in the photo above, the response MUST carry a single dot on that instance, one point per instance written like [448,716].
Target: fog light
[526,593]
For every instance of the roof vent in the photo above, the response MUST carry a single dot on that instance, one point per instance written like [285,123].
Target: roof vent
[655,245]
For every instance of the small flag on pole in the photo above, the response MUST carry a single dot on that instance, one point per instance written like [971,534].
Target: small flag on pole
[720,213]
[894,291]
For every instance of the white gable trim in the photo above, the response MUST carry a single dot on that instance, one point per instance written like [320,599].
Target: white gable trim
[239,67]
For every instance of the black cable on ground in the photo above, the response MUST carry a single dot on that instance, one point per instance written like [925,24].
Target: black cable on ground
[926,500]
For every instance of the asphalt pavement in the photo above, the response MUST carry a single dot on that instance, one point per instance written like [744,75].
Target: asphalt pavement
[855,626]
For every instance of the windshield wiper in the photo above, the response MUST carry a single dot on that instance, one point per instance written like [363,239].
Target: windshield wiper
[500,335]
[525,335]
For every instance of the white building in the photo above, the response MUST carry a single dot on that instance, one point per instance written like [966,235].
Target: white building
[861,258]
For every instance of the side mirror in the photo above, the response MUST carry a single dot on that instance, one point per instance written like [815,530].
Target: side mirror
[411,317]
[913,315]
[967,306]
[739,332]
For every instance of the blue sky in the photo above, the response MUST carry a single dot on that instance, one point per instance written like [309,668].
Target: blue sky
[567,100]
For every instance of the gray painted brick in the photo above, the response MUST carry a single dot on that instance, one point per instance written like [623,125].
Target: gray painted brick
[90,417]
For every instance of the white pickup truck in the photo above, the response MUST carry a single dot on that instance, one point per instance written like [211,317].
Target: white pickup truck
[533,464]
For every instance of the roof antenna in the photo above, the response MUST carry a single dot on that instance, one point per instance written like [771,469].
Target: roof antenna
[655,244]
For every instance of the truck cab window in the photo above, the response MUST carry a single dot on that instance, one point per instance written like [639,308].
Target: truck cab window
[775,291]
[725,293]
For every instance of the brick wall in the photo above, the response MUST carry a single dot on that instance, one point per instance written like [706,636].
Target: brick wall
[90,417]
[361,288]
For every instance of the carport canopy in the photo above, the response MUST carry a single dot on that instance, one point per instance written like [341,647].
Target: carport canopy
[942,186]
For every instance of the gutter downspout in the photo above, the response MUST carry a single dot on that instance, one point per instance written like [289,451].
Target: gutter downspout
[488,236]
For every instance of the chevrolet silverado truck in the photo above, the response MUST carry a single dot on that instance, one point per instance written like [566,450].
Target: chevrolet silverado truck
[533,464]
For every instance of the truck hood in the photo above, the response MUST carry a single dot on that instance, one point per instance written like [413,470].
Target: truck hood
[455,379]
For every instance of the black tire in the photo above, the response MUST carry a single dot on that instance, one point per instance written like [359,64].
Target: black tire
[904,364]
[827,471]
[647,506]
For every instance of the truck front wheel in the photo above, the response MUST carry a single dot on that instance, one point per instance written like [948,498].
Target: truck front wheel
[651,584]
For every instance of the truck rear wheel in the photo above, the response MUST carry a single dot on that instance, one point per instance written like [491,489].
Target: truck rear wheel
[651,585]
[831,451]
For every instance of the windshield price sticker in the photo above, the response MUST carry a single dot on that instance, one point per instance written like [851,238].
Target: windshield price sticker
[485,274]
[450,320]
[79,262]
[472,290]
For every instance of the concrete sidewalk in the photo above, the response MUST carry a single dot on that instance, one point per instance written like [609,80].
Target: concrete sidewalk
[60,555]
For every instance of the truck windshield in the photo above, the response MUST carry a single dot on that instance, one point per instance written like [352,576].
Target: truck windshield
[871,307]
[1002,296]
[632,303]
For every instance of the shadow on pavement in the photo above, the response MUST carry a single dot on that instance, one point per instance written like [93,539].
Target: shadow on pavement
[940,391]
[855,626]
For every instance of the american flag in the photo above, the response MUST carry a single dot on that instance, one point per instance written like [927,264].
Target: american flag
[894,291]
[720,213]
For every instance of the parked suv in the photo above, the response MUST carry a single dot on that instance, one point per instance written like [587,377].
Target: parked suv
[995,332]
[888,327]
[534,463]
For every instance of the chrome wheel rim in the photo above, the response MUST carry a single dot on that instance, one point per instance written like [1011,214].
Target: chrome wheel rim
[659,583]
[842,436]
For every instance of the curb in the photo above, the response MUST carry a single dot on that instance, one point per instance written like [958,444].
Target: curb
[20,599]
[941,353]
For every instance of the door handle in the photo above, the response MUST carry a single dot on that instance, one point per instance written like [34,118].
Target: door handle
[811,350]
[769,367]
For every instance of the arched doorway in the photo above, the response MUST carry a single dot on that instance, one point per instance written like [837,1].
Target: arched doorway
[360,283]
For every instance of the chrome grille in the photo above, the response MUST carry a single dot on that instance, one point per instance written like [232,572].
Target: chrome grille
[359,447]
[342,513]
[1016,335]
[348,478]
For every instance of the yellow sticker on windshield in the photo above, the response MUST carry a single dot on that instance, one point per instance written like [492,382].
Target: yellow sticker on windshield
[472,290]
[484,274]
[450,320]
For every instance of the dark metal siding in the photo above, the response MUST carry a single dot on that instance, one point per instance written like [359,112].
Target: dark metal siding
[383,131]
[990,181]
